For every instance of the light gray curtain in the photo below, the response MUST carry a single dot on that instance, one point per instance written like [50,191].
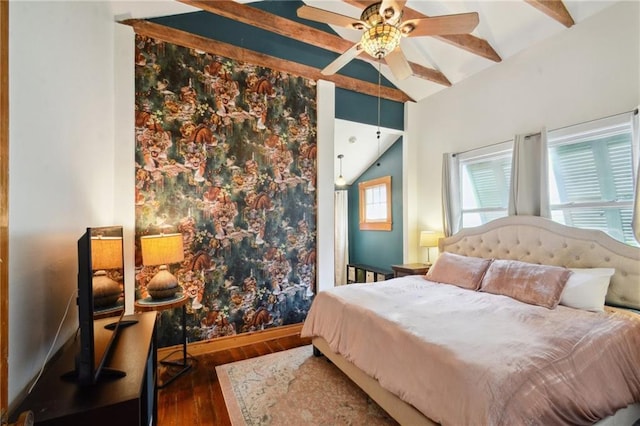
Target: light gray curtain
[341,236]
[529,192]
[635,134]
[451,209]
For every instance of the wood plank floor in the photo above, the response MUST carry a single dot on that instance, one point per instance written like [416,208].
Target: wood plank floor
[195,398]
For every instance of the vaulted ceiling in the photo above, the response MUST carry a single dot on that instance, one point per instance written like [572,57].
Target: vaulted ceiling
[506,28]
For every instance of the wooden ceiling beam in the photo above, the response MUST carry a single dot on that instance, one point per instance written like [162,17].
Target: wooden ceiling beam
[215,47]
[306,34]
[468,42]
[555,9]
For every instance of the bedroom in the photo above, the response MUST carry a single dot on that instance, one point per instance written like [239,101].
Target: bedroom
[59,186]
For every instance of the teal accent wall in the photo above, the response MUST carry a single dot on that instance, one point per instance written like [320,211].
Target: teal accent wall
[379,248]
[361,108]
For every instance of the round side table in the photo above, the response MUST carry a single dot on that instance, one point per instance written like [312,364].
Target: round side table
[177,301]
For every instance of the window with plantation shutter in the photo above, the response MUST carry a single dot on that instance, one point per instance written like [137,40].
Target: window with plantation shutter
[485,179]
[591,176]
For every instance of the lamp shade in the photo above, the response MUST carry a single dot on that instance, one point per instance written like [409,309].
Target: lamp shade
[106,253]
[430,238]
[161,249]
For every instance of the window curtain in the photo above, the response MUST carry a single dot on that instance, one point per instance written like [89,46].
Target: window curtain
[341,236]
[451,209]
[635,134]
[529,192]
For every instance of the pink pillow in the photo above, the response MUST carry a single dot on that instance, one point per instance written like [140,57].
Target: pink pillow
[540,285]
[462,271]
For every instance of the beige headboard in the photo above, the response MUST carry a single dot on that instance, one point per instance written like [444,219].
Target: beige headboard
[537,240]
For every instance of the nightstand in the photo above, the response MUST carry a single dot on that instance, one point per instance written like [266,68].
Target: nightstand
[409,269]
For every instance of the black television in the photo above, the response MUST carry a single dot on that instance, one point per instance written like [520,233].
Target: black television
[99,318]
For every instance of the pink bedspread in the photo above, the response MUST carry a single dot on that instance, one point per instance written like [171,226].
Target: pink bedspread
[469,358]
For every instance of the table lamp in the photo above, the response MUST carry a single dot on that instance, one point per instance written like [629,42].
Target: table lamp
[429,239]
[162,250]
[106,253]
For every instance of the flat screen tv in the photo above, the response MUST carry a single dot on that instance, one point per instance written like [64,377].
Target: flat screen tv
[100,303]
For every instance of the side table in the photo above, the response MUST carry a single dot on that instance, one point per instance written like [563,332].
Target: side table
[179,300]
[409,269]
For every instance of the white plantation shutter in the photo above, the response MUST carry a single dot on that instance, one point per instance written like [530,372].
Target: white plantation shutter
[485,179]
[591,179]
[591,176]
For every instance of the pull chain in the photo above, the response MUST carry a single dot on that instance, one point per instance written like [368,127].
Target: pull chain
[379,91]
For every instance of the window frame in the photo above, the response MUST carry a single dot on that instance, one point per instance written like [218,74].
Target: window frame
[384,224]
[596,130]
[491,152]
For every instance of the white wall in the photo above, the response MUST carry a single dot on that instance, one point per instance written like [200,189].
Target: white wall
[325,262]
[587,72]
[61,166]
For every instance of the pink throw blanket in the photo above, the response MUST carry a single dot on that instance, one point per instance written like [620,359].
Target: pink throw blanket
[463,357]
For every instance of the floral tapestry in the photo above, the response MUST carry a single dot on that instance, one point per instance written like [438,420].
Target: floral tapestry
[226,156]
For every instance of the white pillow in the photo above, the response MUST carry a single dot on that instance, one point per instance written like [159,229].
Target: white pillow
[587,288]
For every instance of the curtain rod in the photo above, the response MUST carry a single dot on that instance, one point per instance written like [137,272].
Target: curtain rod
[634,111]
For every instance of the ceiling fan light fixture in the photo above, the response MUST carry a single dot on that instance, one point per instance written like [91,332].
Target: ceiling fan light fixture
[380,40]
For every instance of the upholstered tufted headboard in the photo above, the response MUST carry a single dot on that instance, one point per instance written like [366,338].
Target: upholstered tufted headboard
[537,240]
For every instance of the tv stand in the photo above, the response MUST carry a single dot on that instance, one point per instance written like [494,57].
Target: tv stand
[105,374]
[129,400]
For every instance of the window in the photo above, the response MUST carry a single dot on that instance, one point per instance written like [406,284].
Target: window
[591,176]
[375,204]
[484,183]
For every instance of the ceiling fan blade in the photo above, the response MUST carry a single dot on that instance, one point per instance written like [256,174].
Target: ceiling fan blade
[398,63]
[342,60]
[391,10]
[462,23]
[326,17]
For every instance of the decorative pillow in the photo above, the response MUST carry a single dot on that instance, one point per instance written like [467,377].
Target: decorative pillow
[587,288]
[462,271]
[540,285]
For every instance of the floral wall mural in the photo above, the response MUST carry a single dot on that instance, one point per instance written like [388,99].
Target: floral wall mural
[226,156]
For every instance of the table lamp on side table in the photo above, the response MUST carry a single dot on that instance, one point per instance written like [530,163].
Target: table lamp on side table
[106,254]
[163,249]
[429,239]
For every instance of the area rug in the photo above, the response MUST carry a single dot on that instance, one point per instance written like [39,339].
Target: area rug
[294,387]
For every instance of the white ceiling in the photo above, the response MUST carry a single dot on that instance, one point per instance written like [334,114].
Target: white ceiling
[359,144]
[510,27]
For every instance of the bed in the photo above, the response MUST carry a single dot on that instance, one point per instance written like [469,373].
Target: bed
[480,349]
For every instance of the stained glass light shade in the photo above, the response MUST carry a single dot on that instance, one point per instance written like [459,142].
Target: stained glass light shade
[380,40]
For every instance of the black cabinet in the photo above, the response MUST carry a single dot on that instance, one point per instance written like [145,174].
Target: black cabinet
[129,400]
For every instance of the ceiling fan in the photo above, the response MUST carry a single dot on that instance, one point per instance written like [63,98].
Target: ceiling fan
[383,29]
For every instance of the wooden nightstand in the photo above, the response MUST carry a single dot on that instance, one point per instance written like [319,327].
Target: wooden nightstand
[409,269]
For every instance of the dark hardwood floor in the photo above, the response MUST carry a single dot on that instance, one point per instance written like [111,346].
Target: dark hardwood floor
[195,398]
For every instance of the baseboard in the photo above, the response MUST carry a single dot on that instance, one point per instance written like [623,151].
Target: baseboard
[229,342]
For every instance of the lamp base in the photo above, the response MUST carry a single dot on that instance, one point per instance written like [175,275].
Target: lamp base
[163,285]
[105,290]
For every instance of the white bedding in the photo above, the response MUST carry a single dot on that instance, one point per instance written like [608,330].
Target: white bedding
[500,370]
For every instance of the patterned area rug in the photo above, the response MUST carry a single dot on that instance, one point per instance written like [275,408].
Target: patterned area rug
[295,388]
